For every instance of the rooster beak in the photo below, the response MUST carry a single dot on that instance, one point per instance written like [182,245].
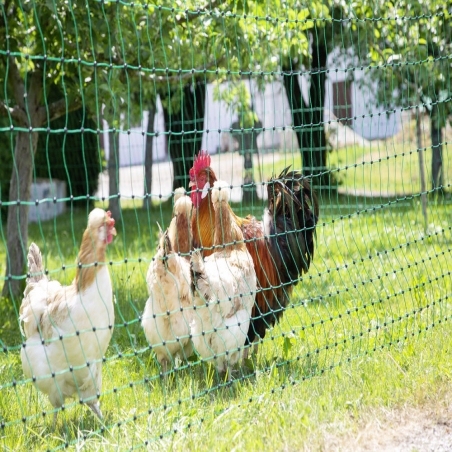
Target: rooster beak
[191,184]
[113,231]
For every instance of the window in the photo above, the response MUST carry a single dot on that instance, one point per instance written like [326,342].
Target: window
[342,102]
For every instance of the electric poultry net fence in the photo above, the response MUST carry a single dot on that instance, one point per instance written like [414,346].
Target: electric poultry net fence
[106,105]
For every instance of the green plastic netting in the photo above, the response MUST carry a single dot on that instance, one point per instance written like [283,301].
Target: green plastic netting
[105,104]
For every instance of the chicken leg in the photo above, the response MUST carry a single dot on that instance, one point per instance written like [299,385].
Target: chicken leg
[96,409]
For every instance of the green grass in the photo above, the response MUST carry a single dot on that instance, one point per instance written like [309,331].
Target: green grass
[387,170]
[369,326]
[382,168]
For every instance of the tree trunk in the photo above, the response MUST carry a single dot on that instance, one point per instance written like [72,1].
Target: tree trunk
[148,160]
[316,156]
[113,174]
[248,143]
[299,109]
[312,141]
[26,113]
[17,224]
[421,169]
[186,126]
[437,151]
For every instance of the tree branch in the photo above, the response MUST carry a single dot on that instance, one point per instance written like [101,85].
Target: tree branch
[57,109]
[34,94]
[192,15]
[186,75]
[16,113]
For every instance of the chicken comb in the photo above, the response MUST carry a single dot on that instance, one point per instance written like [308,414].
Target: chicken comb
[201,161]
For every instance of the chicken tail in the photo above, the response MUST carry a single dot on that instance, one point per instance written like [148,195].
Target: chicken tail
[220,193]
[199,281]
[35,268]
[291,219]
[226,230]
[180,229]
[32,307]
[166,244]
[160,230]
[178,193]
[197,263]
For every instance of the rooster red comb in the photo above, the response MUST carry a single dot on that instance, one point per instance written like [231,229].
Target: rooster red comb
[201,161]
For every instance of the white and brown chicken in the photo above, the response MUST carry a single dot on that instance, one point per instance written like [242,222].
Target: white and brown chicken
[68,328]
[166,315]
[224,289]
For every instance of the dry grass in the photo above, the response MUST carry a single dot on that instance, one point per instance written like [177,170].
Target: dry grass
[425,425]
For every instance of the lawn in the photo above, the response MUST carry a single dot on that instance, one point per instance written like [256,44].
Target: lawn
[387,168]
[369,326]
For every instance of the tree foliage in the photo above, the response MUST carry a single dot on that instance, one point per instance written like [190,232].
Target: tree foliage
[410,52]
[411,58]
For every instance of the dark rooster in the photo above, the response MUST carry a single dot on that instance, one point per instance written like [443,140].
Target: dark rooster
[282,245]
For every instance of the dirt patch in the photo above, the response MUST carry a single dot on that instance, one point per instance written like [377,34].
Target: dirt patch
[427,428]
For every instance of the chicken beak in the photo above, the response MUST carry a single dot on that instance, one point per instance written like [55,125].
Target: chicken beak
[113,231]
[191,184]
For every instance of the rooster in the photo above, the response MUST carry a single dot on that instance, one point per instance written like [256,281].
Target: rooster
[169,284]
[225,289]
[282,245]
[68,328]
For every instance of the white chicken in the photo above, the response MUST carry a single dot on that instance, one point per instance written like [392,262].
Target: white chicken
[225,285]
[68,328]
[165,321]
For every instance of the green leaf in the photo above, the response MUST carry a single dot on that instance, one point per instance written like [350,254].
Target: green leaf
[287,346]
[303,14]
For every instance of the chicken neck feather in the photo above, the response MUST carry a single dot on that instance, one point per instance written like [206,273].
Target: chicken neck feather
[92,251]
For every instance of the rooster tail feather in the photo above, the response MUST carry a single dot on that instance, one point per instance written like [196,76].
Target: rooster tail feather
[284,172]
[35,268]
